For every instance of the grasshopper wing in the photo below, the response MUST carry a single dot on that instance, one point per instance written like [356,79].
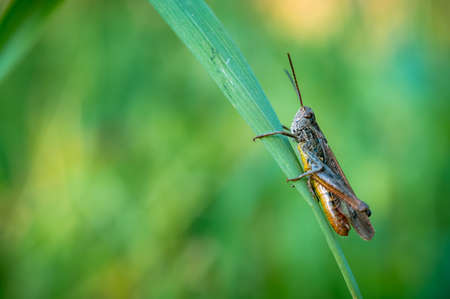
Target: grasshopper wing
[359,220]
[356,211]
[336,179]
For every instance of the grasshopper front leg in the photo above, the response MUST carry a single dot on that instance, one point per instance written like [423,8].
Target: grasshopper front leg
[288,134]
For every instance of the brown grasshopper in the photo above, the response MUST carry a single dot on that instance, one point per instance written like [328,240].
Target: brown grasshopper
[326,180]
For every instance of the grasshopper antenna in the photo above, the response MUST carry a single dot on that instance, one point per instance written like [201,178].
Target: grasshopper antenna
[292,82]
[295,79]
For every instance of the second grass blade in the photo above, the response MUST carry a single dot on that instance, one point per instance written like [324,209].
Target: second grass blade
[19,27]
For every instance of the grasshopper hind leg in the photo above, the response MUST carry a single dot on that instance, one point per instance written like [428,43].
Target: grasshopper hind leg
[308,173]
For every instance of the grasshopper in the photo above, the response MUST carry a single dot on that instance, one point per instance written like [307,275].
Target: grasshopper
[325,178]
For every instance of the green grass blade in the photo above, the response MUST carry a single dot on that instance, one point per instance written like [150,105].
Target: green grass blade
[200,30]
[19,27]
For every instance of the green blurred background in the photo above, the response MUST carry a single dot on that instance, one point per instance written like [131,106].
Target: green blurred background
[125,173]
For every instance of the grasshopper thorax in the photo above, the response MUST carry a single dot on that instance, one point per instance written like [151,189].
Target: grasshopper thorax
[304,118]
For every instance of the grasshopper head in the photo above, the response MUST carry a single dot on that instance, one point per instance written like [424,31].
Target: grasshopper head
[303,118]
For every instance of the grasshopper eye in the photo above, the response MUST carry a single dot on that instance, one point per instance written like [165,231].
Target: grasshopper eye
[308,115]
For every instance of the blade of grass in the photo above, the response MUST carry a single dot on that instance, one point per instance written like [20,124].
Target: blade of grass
[20,26]
[200,30]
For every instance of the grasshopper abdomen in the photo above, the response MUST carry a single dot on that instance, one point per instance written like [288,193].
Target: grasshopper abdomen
[330,205]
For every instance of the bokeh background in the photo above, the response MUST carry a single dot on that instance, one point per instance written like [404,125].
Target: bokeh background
[125,172]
